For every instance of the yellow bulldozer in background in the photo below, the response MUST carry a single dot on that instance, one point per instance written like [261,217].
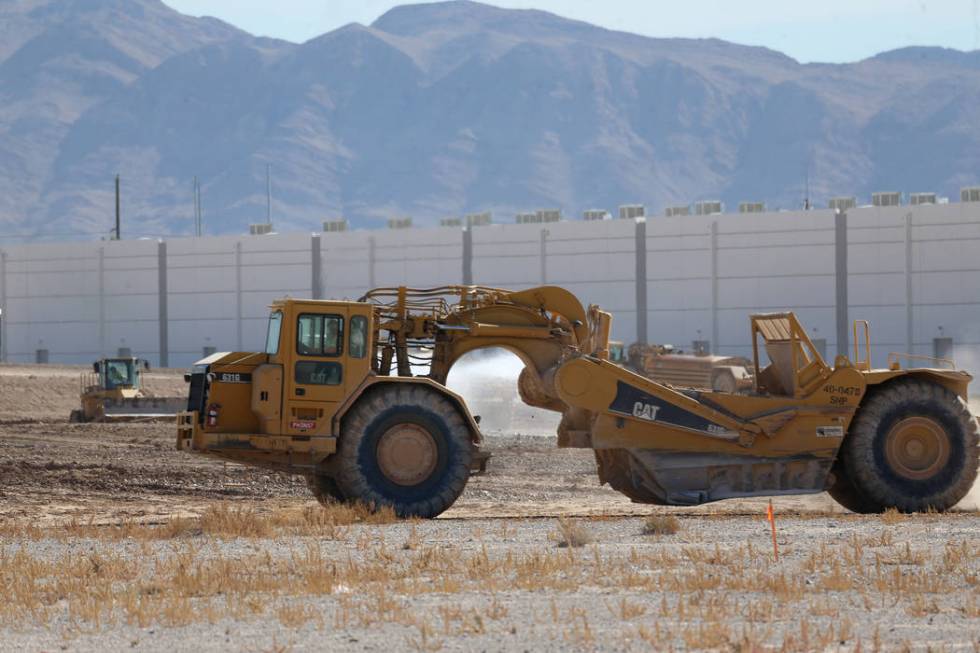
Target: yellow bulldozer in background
[333,397]
[664,364]
[113,391]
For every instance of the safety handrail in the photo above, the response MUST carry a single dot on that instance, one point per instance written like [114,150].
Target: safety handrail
[858,362]
[894,360]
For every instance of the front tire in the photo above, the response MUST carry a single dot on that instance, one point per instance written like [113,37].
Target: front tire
[404,446]
[912,446]
[324,489]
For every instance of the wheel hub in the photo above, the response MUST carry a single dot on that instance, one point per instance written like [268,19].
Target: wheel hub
[407,454]
[917,448]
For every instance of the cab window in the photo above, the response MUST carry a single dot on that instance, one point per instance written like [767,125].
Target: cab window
[272,335]
[319,335]
[358,337]
[318,373]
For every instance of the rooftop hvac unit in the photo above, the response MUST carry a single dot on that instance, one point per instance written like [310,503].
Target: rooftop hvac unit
[752,207]
[970,194]
[631,211]
[479,219]
[593,215]
[886,199]
[451,222]
[260,229]
[671,211]
[538,217]
[332,226]
[922,198]
[842,203]
[399,223]
[708,207]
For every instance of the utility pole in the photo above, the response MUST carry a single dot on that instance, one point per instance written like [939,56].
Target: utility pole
[118,235]
[268,193]
[197,208]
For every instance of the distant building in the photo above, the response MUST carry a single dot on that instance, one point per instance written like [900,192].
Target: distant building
[260,229]
[671,211]
[451,222]
[970,194]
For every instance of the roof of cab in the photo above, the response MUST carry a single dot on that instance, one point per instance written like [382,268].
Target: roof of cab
[315,302]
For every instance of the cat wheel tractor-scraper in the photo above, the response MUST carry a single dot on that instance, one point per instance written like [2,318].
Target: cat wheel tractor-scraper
[333,397]
[113,391]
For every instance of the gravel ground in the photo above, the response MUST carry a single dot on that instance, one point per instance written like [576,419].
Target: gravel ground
[109,540]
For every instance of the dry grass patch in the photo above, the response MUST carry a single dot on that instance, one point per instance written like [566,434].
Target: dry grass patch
[571,534]
[661,525]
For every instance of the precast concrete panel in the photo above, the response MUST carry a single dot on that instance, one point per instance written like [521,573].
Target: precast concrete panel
[190,306]
[940,288]
[613,296]
[419,258]
[192,336]
[875,289]
[508,256]
[784,262]
[961,322]
[678,294]
[777,293]
[292,278]
[680,328]
[948,255]
[346,263]
[138,335]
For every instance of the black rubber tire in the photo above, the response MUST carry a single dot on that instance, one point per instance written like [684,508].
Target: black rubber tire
[324,489]
[844,492]
[358,472]
[615,468]
[875,485]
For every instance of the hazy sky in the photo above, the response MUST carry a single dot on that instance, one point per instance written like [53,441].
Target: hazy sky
[825,30]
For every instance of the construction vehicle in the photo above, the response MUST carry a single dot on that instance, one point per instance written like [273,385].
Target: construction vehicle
[333,397]
[664,364]
[113,391]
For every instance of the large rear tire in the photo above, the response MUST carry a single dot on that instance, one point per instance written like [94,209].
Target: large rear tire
[324,489]
[404,446]
[912,446]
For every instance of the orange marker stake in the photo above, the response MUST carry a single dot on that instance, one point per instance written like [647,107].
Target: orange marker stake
[771,516]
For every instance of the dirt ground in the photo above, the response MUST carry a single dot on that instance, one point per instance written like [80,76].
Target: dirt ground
[848,582]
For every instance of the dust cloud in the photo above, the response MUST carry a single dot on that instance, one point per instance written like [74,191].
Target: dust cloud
[487,380]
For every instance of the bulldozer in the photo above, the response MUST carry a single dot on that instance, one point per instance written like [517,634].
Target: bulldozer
[664,364]
[334,397]
[113,391]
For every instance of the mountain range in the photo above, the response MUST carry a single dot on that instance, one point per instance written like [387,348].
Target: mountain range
[442,109]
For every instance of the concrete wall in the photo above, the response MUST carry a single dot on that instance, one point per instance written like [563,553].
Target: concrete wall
[912,271]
